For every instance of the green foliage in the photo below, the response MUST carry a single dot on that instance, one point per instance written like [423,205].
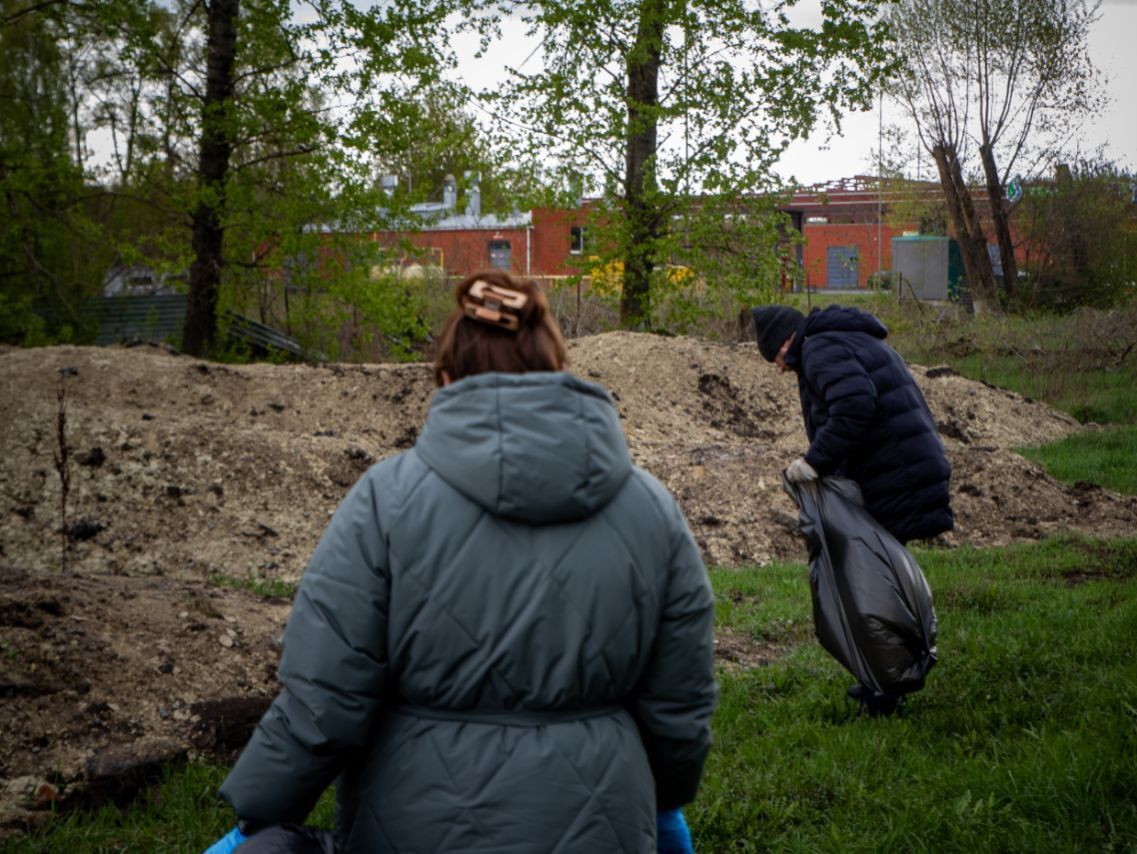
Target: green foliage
[389,314]
[46,254]
[721,256]
[1079,233]
[440,136]
[19,323]
[736,253]
[350,299]
[724,66]
[319,96]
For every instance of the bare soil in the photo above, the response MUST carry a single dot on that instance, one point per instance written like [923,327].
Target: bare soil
[183,471]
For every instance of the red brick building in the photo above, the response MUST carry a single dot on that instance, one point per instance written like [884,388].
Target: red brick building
[847,228]
[538,243]
[845,235]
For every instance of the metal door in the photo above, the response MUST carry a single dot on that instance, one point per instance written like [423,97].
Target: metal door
[842,267]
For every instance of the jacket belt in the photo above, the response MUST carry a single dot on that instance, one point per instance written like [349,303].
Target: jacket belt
[507,717]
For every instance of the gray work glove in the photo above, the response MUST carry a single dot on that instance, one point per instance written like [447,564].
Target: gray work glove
[799,471]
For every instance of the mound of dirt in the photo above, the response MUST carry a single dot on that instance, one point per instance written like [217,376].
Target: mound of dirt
[181,471]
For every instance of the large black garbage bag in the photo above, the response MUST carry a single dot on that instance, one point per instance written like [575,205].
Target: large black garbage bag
[872,607]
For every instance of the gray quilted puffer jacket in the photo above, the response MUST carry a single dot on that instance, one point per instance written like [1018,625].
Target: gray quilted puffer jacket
[503,642]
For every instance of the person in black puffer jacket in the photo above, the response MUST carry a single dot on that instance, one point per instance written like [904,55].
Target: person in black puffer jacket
[865,417]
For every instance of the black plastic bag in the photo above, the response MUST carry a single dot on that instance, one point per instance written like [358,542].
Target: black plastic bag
[872,607]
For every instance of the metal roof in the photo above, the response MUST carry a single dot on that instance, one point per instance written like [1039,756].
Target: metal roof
[454,222]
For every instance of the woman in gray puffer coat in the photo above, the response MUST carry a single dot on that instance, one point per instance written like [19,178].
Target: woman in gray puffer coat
[503,641]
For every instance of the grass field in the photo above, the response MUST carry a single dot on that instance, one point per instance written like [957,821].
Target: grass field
[1103,457]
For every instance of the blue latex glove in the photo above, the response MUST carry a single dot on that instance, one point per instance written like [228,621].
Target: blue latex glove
[227,843]
[672,834]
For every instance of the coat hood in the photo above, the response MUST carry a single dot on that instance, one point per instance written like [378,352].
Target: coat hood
[840,318]
[833,318]
[539,447]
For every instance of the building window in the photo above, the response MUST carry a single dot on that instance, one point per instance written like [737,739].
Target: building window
[576,239]
[499,254]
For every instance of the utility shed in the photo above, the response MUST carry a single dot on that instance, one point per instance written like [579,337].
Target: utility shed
[931,266]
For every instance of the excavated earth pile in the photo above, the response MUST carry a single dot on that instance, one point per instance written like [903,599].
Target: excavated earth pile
[121,644]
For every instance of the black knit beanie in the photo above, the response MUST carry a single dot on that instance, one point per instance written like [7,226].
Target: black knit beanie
[773,324]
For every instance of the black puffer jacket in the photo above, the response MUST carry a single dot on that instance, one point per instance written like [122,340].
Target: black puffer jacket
[867,420]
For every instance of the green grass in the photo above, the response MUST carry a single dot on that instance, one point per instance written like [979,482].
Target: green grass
[1024,739]
[180,814]
[1090,395]
[1105,457]
[269,587]
[1082,363]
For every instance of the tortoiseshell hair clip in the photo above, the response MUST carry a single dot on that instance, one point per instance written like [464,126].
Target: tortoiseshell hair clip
[493,305]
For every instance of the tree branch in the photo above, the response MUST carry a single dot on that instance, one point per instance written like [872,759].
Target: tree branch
[276,155]
[267,69]
[12,17]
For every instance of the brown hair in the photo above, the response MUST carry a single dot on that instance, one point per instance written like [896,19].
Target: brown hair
[470,346]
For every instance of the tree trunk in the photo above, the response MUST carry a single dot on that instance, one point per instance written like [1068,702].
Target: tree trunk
[213,166]
[1001,218]
[73,93]
[969,232]
[641,200]
[984,273]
